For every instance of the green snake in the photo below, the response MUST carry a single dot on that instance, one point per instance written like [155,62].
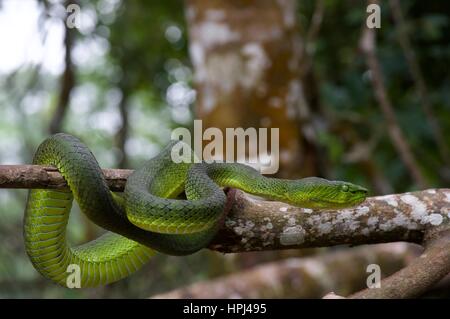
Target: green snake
[150,215]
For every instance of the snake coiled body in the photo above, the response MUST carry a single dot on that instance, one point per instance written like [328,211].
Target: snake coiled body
[149,216]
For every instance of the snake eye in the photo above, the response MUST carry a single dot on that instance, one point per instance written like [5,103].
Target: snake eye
[345,188]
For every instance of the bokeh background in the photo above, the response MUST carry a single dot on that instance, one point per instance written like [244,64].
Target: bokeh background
[131,73]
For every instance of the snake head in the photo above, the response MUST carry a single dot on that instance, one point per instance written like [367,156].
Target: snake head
[316,193]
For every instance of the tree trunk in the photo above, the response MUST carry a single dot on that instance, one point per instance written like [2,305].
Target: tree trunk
[246,61]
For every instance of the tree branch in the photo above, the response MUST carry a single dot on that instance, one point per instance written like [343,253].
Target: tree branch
[311,277]
[255,224]
[36,176]
[423,273]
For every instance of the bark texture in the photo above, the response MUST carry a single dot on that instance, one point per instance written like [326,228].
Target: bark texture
[255,224]
[36,176]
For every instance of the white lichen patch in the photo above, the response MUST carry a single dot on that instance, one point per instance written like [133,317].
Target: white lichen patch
[347,219]
[325,228]
[447,196]
[283,209]
[212,33]
[294,235]
[392,201]
[435,219]
[362,210]
[372,221]
[418,208]
[431,191]
[197,54]
[257,62]
[307,210]
[401,220]
[389,199]
[244,228]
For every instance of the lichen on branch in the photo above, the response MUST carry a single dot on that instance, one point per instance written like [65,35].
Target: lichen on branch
[255,224]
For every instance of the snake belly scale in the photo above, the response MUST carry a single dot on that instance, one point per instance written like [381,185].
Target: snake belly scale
[148,216]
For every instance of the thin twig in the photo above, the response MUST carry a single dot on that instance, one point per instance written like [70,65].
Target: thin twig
[421,87]
[309,277]
[316,21]
[67,84]
[399,141]
[311,36]
[122,134]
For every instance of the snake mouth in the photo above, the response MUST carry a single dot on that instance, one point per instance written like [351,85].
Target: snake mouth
[341,204]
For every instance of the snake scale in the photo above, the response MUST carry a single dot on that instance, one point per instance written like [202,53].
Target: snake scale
[149,216]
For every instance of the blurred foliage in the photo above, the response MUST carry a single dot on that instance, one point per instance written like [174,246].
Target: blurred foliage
[346,94]
[140,48]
